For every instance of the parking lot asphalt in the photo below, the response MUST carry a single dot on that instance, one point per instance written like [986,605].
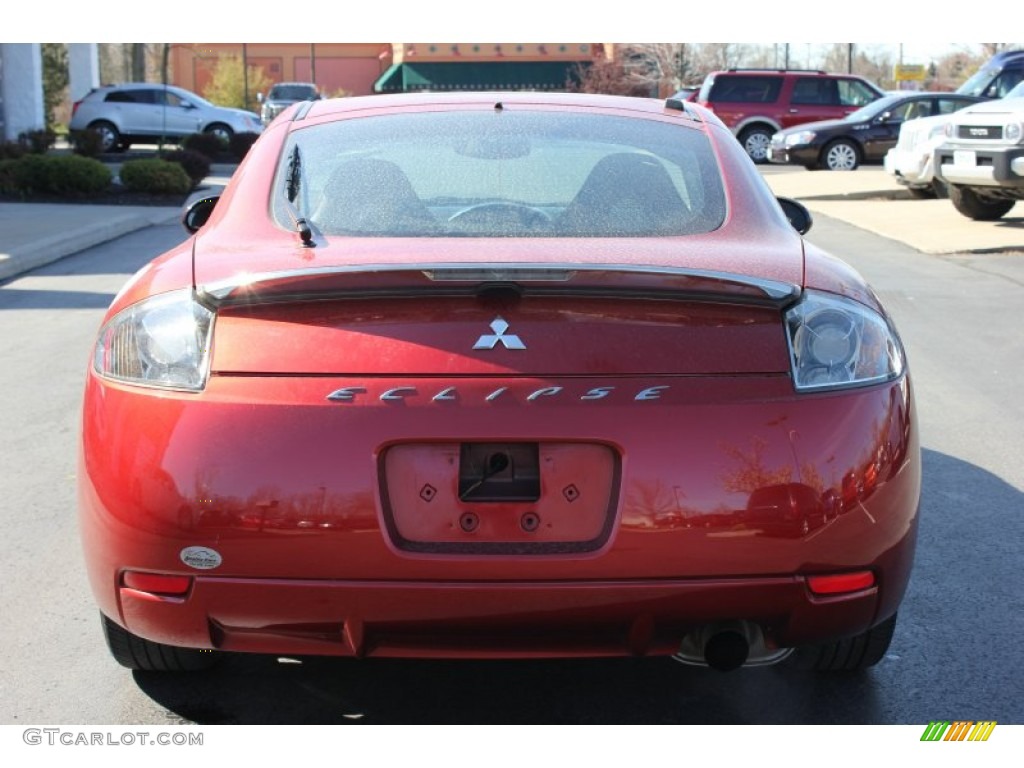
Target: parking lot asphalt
[35,234]
[870,199]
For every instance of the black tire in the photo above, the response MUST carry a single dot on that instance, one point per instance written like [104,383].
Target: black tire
[110,137]
[841,155]
[850,654]
[135,652]
[221,131]
[973,206]
[755,141]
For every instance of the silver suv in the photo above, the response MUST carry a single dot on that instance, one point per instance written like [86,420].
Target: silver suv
[143,112]
[283,95]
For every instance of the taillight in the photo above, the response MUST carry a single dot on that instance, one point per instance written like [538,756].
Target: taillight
[74,107]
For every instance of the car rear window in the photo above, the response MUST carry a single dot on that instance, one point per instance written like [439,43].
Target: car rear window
[744,88]
[292,92]
[500,173]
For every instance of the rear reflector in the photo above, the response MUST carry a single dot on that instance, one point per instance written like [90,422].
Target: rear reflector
[157,583]
[841,582]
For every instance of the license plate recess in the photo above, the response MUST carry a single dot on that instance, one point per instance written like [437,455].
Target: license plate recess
[499,497]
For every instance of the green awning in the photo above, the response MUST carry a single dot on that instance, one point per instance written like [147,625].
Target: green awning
[480,76]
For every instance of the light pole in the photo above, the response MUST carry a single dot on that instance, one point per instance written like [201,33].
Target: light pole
[245,78]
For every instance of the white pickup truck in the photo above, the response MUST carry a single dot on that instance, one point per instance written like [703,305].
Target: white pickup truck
[910,161]
[982,158]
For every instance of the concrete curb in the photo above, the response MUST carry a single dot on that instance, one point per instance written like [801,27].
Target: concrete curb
[21,250]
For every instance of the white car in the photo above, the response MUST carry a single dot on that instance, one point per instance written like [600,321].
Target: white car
[143,112]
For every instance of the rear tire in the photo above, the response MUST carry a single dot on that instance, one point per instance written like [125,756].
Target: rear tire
[135,652]
[850,654]
[973,206]
[222,132]
[110,137]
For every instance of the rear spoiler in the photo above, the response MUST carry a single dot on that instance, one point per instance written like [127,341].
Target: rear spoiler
[473,279]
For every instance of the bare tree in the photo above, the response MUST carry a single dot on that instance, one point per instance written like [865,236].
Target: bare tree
[715,56]
[639,69]
[138,62]
[951,70]
[662,67]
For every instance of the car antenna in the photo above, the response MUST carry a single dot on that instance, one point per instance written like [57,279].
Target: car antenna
[293,190]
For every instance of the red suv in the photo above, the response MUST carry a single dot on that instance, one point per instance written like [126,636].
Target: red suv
[755,103]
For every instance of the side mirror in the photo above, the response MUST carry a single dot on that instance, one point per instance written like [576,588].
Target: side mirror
[198,212]
[797,213]
[187,105]
[259,97]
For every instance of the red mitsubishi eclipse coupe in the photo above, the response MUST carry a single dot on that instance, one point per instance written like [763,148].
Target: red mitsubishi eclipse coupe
[498,375]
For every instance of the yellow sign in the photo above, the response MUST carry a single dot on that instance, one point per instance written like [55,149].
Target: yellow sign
[908,72]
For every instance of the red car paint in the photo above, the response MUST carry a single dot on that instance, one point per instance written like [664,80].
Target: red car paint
[681,480]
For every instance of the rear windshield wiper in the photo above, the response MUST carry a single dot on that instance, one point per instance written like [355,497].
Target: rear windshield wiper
[295,189]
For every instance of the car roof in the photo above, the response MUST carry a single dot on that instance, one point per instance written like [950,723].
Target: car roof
[769,71]
[136,85]
[1004,56]
[329,107]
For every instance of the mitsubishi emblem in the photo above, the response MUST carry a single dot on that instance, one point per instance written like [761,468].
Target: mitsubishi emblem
[491,340]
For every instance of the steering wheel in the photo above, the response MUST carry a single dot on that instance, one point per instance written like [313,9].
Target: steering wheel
[525,216]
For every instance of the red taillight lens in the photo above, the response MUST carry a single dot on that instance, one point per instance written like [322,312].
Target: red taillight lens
[74,107]
[157,583]
[837,583]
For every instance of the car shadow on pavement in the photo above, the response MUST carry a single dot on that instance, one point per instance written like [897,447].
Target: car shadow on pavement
[966,582]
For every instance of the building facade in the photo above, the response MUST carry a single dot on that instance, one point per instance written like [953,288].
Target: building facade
[359,69]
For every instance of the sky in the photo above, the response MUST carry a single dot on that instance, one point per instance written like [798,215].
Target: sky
[921,28]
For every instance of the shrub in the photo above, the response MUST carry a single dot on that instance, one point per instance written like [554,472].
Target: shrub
[87,143]
[68,176]
[8,172]
[155,176]
[205,144]
[38,142]
[31,174]
[12,150]
[75,176]
[240,143]
[195,164]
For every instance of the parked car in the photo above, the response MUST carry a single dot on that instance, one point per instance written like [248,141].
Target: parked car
[687,93]
[982,158]
[477,375]
[144,112]
[282,95]
[997,77]
[911,161]
[756,104]
[864,136]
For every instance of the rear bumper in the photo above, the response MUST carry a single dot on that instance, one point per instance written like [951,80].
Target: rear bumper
[728,492]
[515,619]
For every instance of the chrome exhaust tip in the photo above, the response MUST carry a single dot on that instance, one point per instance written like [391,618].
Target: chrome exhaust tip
[729,645]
